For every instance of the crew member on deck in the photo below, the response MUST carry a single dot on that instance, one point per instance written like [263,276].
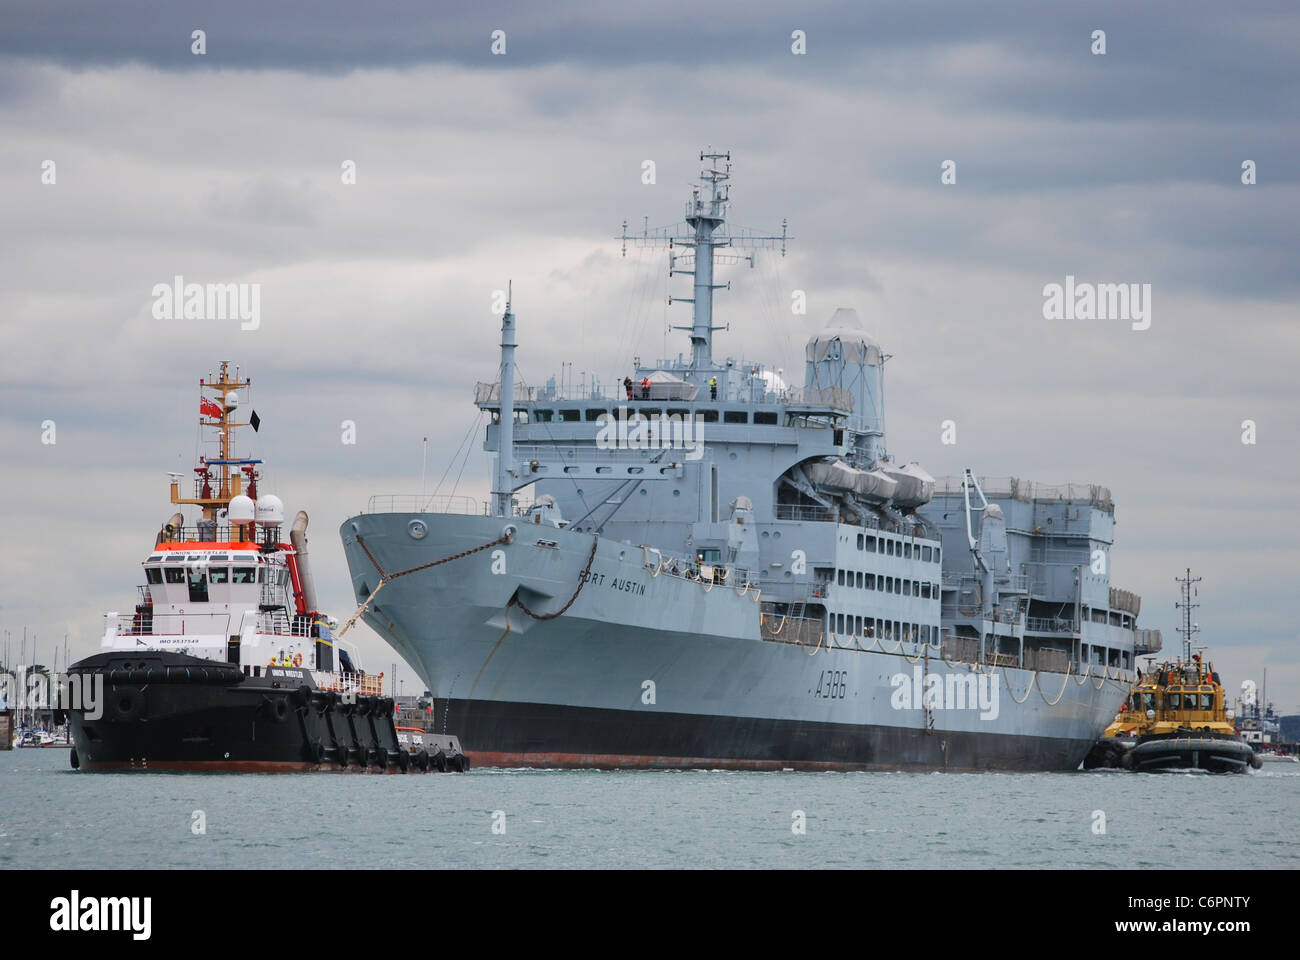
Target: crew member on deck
[713,388]
[627,385]
[645,388]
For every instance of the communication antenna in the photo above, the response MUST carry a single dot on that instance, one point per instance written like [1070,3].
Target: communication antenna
[1188,629]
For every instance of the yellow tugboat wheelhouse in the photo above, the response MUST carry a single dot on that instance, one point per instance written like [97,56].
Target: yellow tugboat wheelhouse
[1175,718]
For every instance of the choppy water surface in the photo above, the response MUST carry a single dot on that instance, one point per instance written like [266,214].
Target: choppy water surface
[51,816]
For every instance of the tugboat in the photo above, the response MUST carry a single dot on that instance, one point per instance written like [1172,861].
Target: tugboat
[227,663]
[1176,717]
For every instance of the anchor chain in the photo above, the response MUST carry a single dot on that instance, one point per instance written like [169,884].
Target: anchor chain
[385,578]
[582,582]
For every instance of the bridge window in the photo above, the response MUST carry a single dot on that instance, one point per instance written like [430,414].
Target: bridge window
[153,574]
[570,416]
[543,416]
[735,416]
[710,416]
[1207,701]
[765,416]
[174,574]
[219,575]
[1175,701]
[596,414]
[243,575]
[198,583]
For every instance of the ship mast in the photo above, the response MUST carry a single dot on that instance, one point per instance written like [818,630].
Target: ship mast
[1188,629]
[213,493]
[502,495]
[706,216]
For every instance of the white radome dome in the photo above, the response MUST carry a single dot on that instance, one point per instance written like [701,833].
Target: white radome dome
[241,510]
[270,510]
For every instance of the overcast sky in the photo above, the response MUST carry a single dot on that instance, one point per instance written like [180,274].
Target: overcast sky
[473,169]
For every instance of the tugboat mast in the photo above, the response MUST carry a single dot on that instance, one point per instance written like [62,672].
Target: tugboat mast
[214,493]
[1188,629]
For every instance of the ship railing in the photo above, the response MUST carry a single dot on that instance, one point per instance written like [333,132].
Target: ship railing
[145,597]
[359,683]
[280,625]
[1050,625]
[789,511]
[1027,491]
[423,503]
[780,628]
[971,611]
[209,533]
[818,398]
[491,392]
[167,624]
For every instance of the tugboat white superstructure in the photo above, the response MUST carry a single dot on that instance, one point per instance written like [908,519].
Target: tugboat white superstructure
[226,662]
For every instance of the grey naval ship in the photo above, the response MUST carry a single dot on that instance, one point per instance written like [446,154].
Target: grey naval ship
[714,569]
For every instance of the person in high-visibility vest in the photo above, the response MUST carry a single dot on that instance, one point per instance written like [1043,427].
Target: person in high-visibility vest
[645,388]
[713,388]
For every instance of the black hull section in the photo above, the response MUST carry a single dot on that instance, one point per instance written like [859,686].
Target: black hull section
[1215,754]
[502,734]
[167,711]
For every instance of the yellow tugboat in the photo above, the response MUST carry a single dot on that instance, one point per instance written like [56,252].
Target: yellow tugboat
[1176,717]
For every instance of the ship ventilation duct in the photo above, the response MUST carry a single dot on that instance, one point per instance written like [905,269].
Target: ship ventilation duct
[298,537]
[170,530]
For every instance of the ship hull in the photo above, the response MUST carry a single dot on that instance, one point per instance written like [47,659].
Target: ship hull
[542,653]
[165,711]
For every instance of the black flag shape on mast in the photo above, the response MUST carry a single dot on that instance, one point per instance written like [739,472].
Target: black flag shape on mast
[255,421]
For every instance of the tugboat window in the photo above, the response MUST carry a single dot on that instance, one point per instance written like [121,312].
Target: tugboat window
[198,582]
[153,574]
[219,574]
[1207,701]
[244,575]
[174,574]
[1175,701]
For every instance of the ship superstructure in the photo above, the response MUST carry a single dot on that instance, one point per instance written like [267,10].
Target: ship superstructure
[716,568]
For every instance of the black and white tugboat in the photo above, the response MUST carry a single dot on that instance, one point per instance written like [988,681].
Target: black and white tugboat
[227,663]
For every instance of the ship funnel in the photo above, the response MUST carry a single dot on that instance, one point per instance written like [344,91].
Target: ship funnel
[842,357]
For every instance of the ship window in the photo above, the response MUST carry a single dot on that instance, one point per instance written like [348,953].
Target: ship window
[1207,701]
[198,583]
[936,554]
[710,416]
[174,574]
[839,577]
[840,619]
[859,579]
[925,590]
[735,416]
[1175,701]
[218,556]
[1148,701]
[243,575]
[219,575]
[543,416]
[765,416]
[860,541]
[871,581]
[871,544]
[570,416]
[889,547]
[595,414]
[153,574]
[156,556]
[261,574]
[907,551]
[679,412]
[925,553]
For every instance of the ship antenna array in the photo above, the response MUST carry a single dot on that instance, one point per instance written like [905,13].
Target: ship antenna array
[703,233]
[1188,629]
